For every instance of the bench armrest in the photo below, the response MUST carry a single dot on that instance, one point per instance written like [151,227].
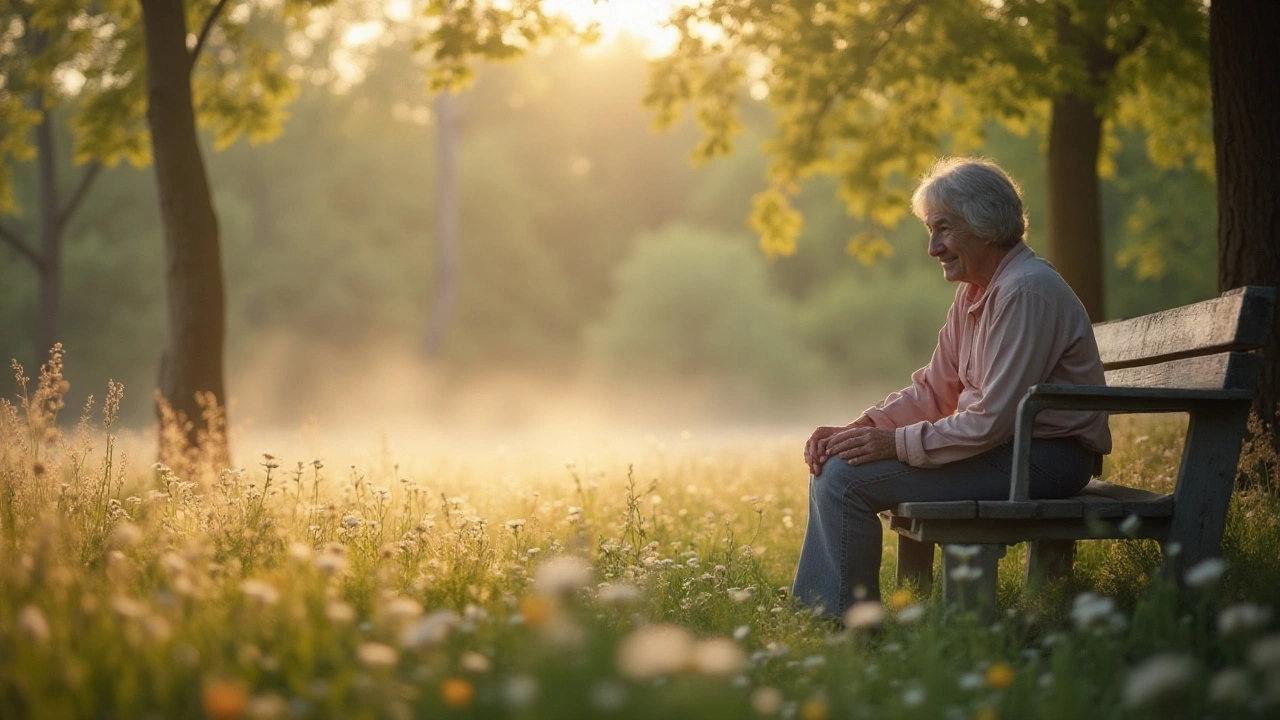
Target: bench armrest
[1102,398]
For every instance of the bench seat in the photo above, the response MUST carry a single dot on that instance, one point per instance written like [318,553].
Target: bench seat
[1098,499]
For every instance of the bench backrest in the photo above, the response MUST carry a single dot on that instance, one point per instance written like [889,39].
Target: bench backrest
[1203,345]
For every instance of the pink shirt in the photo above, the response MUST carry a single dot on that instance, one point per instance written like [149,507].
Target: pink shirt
[1026,328]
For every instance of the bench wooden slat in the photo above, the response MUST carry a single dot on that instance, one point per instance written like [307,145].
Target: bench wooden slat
[1099,499]
[982,530]
[1238,320]
[1096,506]
[1061,509]
[1111,491]
[1133,501]
[1031,509]
[1005,510]
[1224,371]
[957,510]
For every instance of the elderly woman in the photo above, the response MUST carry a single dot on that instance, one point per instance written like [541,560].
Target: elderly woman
[1014,323]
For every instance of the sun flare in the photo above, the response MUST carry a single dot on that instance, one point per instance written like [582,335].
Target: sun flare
[643,20]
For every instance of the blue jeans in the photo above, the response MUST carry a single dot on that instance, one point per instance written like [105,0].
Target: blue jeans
[840,558]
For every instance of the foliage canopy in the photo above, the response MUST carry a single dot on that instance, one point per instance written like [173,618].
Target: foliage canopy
[870,91]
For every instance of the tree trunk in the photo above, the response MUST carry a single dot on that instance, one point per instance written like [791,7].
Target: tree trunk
[1244,54]
[192,364]
[448,229]
[1075,139]
[1075,210]
[49,284]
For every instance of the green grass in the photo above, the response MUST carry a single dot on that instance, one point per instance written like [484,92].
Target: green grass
[440,588]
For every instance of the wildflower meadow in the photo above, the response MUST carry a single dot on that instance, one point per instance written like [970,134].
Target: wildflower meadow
[626,579]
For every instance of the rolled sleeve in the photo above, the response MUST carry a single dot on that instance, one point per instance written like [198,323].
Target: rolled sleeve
[909,444]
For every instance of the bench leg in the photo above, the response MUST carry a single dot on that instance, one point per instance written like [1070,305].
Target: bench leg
[969,583]
[1210,457]
[915,564]
[1049,560]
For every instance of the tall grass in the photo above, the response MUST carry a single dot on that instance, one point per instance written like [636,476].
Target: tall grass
[628,582]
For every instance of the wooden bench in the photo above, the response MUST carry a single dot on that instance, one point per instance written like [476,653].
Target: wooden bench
[1198,359]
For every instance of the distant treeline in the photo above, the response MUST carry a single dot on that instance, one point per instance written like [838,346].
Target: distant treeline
[589,245]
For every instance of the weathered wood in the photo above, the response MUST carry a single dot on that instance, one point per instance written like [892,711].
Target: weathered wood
[1212,372]
[1238,320]
[1049,560]
[915,564]
[956,509]
[1103,489]
[969,583]
[1060,509]
[1084,397]
[980,530]
[1131,399]
[1103,499]
[1092,506]
[1205,480]
[1004,510]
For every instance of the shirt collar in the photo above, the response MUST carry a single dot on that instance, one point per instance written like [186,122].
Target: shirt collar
[979,295]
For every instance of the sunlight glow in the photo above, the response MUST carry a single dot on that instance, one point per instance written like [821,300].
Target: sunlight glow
[399,10]
[364,32]
[643,20]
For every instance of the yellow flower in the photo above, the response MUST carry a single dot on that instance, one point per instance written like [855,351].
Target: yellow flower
[813,710]
[224,699]
[536,610]
[1000,676]
[456,692]
[901,598]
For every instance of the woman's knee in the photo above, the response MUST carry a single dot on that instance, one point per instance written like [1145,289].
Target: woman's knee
[840,481]
[835,479]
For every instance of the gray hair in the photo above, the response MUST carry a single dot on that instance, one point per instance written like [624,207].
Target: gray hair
[977,191]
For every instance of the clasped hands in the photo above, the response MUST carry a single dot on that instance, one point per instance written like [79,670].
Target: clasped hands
[858,442]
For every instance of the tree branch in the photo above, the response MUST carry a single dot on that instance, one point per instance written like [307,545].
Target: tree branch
[908,9]
[86,181]
[22,248]
[205,30]
[1136,41]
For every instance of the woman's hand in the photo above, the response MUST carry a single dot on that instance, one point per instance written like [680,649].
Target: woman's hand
[859,445]
[817,449]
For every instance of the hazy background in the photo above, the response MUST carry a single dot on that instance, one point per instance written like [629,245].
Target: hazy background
[604,279]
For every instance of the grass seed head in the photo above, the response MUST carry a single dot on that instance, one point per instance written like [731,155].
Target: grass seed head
[653,651]
[1205,574]
[260,591]
[520,691]
[1231,686]
[33,625]
[865,615]
[562,576]
[1158,681]
[717,657]
[766,700]
[1243,618]
[376,655]
[1265,654]
[430,630]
